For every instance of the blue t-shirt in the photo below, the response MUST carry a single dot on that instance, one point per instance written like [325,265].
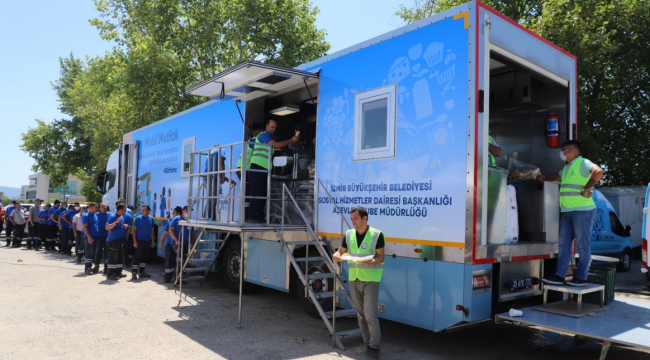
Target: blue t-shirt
[177,230]
[264,137]
[101,223]
[43,214]
[8,211]
[64,224]
[212,161]
[128,219]
[69,216]
[91,220]
[167,225]
[60,211]
[143,227]
[118,231]
[49,213]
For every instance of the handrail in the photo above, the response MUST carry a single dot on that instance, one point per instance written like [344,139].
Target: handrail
[332,200]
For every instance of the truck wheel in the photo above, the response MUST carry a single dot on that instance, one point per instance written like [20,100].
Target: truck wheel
[318,285]
[231,265]
[625,262]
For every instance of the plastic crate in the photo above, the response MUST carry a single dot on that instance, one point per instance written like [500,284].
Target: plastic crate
[601,276]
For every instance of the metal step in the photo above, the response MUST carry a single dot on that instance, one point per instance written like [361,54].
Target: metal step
[320,276]
[211,241]
[348,333]
[194,277]
[302,242]
[200,260]
[311,258]
[207,251]
[195,269]
[341,313]
[329,294]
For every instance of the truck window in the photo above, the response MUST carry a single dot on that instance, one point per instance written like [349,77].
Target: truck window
[617,227]
[110,179]
[374,123]
[188,147]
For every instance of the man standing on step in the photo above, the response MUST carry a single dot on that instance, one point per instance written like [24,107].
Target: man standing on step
[578,178]
[91,232]
[117,229]
[364,277]
[143,239]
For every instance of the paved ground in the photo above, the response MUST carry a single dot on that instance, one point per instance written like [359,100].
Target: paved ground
[52,311]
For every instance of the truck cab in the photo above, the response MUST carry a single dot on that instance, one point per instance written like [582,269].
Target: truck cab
[107,180]
[608,236]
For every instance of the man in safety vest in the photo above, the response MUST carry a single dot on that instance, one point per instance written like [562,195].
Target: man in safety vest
[494,151]
[261,161]
[577,178]
[364,277]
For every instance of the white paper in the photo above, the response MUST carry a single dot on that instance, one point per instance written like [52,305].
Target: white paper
[356,258]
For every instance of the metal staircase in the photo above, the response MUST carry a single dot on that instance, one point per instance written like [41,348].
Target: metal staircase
[197,268]
[301,265]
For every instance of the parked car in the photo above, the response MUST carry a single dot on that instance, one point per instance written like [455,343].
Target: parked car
[608,235]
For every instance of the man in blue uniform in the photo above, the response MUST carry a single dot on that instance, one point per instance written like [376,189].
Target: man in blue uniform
[178,233]
[52,227]
[43,229]
[101,252]
[64,229]
[90,222]
[128,245]
[117,229]
[9,230]
[143,239]
[67,219]
[55,216]
[169,252]
[32,223]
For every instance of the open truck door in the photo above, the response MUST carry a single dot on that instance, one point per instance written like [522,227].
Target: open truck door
[129,172]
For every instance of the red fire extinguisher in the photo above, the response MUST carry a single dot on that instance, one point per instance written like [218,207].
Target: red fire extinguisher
[552,130]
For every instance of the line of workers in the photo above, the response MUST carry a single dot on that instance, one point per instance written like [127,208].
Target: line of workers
[116,239]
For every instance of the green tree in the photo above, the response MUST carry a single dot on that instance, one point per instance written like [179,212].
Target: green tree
[610,39]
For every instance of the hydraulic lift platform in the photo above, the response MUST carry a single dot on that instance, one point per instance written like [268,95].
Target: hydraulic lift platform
[627,322]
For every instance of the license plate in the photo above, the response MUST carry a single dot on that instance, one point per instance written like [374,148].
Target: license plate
[520,283]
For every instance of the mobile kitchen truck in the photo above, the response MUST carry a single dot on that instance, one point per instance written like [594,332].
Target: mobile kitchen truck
[398,124]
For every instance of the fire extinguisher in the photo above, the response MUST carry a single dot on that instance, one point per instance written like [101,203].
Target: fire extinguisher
[552,130]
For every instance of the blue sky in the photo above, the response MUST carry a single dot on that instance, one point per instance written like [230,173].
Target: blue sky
[34,34]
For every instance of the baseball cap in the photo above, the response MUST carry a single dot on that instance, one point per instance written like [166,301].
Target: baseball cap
[39,199]
[130,207]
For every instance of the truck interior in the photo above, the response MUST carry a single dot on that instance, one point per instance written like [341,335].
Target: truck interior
[288,96]
[520,99]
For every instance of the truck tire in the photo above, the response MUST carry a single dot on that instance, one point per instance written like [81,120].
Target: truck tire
[231,264]
[625,261]
[319,285]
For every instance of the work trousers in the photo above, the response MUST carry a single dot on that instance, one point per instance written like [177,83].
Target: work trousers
[115,256]
[65,235]
[9,232]
[127,246]
[72,234]
[31,235]
[90,252]
[51,237]
[42,233]
[258,186]
[79,245]
[575,225]
[101,251]
[140,256]
[20,234]
[365,300]
[170,261]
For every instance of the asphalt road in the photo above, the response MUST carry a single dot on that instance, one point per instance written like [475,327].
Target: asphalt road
[53,311]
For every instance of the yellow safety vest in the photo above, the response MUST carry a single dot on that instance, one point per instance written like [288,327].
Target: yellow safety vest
[249,155]
[493,160]
[361,271]
[572,185]
[261,154]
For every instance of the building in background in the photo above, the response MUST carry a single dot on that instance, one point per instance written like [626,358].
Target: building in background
[40,187]
[23,191]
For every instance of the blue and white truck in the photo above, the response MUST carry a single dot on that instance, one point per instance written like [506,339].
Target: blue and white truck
[398,124]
